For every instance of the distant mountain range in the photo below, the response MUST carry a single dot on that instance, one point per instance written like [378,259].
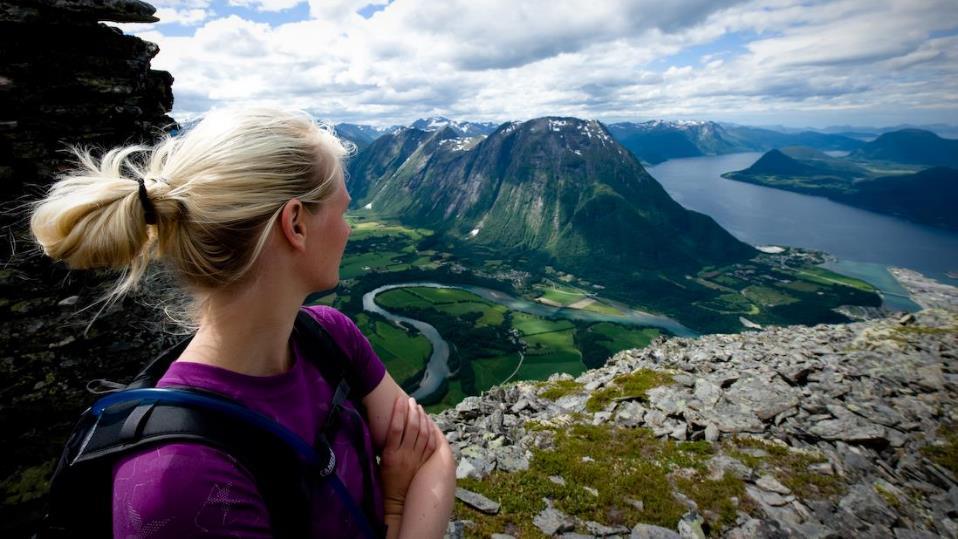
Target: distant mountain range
[912,146]
[656,141]
[363,135]
[562,189]
[659,140]
[909,173]
[868,133]
[462,129]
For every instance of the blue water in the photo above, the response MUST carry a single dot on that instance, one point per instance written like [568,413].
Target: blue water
[865,242]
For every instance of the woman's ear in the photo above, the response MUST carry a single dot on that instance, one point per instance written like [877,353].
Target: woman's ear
[292,220]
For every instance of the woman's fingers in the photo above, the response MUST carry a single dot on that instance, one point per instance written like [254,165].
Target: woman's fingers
[411,433]
[424,423]
[431,439]
[398,423]
[434,434]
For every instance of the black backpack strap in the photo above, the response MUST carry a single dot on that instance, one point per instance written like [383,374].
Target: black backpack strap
[334,365]
[281,476]
[151,374]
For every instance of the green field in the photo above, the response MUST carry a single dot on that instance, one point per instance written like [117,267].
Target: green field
[492,371]
[824,276]
[768,289]
[540,367]
[766,296]
[563,295]
[451,300]
[369,229]
[625,338]
[403,354]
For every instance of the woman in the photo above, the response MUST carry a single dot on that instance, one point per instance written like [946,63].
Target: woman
[246,210]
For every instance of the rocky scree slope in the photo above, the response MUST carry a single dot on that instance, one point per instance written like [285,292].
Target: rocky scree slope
[824,431]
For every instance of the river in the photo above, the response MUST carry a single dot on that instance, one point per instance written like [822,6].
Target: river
[437,369]
[864,242]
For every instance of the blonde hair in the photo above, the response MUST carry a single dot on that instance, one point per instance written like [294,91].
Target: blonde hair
[217,190]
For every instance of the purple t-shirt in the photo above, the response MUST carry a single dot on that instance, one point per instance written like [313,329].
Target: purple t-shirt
[189,489]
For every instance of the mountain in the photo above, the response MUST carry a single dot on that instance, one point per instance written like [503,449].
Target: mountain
[381,158]
[561,188]
[924,196]
[912,146]
[462,129]
[928,196]
[361,135]
[942,130]
[656,141]
[765,139]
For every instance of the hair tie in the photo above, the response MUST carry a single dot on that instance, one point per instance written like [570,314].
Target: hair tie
[148,207]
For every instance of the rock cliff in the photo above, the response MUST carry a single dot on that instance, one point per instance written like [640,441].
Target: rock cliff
[824,431]
[65,78]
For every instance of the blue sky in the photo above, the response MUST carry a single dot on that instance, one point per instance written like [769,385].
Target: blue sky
[762,62]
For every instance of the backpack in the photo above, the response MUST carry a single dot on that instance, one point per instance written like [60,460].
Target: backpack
[284,466]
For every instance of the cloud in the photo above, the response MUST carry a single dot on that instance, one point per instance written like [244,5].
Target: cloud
[267,5]
[614,60]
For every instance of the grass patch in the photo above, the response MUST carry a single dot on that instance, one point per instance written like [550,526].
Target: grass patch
[634,384]
[824,276]
[888,496]
[766,296]
[492,371]
[625,338]
[560,388]
[602,308]
[529,324]
[540,367]
[944,454]
[404,354]
[789,466]
[627,463]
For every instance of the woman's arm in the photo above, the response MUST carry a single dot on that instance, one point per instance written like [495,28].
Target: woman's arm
[429,498]
[431,494]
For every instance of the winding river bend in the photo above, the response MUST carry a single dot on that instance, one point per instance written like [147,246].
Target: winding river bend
[437,369]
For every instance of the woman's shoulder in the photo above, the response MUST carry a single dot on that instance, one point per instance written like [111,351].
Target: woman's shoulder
[185,488]
[340,327]
[366,364]
[328,315]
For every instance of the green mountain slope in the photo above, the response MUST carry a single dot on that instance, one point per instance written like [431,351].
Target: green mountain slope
[559,188]
[913,146]
[924,196]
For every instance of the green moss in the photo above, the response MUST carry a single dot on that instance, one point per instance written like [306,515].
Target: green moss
[788,466]
[888,496]
[29,484]
[625,463]
[946,453]
[634,384]
[560,388]
[924,330]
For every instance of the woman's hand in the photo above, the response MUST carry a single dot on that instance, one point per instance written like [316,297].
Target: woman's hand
[410,441]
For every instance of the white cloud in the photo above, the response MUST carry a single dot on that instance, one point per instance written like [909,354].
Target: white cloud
[183,16]
[499,60]
[267,5]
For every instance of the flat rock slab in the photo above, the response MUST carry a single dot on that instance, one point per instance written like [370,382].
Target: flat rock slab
[477,501]
[552,521]
[848,430]
[648,531]
[769,483]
